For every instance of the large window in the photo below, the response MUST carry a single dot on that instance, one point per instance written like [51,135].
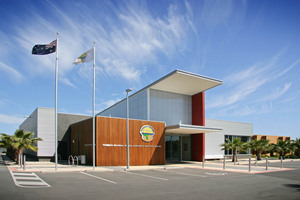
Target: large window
[173,147]
[243,139]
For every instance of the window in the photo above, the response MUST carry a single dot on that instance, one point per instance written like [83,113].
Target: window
[243,139]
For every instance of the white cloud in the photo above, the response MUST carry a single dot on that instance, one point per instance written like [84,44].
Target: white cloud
[125,40]
[242,110]
[241,89]
[110,102]
[278,92]
[253,110]
[17,76]
[8,119]
[244,83]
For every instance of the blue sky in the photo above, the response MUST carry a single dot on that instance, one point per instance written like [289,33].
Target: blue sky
[253,46]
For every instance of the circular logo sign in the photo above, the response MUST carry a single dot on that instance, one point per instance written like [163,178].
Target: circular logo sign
[147,133]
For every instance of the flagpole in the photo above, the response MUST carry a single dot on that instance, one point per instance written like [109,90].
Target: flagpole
[56,73]
[94,152]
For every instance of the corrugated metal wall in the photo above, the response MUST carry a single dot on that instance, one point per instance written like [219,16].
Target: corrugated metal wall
[213,140]
[30,124]
[170,107]
[41,122]
[46,131]
[137,107]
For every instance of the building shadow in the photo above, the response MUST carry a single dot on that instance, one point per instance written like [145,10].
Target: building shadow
[296,186]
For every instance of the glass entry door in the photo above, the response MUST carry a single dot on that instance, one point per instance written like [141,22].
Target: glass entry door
[173,148]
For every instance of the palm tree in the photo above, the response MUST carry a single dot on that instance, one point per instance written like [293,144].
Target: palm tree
[297,147]
[19,141]
[7,142]
[236,145]
[284,147]
[259,146]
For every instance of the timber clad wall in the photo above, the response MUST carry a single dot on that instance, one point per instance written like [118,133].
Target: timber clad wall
[82,140]
[111,142]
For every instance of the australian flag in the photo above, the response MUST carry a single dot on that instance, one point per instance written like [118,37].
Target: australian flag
[44,49]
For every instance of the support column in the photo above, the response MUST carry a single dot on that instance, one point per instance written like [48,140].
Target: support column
[198,118]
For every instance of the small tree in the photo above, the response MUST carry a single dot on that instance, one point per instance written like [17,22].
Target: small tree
[284,147]
[296,144]
[19,141]
[259,146]
[7,142]
[236,145]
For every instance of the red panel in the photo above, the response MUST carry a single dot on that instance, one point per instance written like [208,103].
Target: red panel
[198,109]
[198,118]
[198,146]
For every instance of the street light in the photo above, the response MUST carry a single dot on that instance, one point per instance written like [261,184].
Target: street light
[127,91]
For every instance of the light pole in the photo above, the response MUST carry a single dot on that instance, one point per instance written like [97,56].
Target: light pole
[127,91]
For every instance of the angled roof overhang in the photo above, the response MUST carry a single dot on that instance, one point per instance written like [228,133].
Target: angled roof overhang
[182,82]
[185,129]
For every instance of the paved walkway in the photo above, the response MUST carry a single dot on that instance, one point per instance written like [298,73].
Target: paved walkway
[242,166]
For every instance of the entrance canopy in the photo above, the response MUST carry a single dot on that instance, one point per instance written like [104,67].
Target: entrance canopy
[185,129]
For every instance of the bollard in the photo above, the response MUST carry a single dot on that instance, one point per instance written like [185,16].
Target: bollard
[71,160]
[203,161]
[250,164]
[224,163]
[24,162]
[20,160]
[281,163]
[267,163]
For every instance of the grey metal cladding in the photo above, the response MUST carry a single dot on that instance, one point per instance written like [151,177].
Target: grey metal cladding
[170,107]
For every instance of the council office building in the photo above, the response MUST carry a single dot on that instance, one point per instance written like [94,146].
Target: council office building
[178,100]
[167,122]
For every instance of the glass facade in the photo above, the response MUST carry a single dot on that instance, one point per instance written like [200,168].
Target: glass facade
[243,139]
[173,148]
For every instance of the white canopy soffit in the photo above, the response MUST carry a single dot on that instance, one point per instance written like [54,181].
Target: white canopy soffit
[184,129]
[187,83]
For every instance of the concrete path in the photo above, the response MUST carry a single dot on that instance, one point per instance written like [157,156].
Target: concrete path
[242,166]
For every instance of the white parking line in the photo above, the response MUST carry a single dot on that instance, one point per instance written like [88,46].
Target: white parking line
[216,174]
[181,173]
[146,176]
[97,177]
[28,180]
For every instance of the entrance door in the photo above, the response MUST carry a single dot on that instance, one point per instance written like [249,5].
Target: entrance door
[173,147]
[178,148]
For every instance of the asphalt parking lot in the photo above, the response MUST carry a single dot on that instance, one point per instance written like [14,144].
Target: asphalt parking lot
[177,183]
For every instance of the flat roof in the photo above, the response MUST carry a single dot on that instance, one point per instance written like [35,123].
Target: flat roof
[185,129]
[183,82]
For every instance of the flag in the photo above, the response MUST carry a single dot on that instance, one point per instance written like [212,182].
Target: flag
[44,49]
[85,57]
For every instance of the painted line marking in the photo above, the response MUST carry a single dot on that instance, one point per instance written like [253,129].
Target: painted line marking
[28,180]
[216,174]
[24,174]
[146,176]
[181,173]
[31,183]
[97,177]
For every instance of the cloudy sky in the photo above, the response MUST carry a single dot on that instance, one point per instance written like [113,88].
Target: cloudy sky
[253,46]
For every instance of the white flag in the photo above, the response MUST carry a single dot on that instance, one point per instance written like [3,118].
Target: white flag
[85,57]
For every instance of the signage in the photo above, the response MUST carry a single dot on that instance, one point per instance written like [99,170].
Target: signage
[147,133]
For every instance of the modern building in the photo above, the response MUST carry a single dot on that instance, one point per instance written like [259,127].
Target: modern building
[147,141]
[41,122]
[167,122]
[178,99]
